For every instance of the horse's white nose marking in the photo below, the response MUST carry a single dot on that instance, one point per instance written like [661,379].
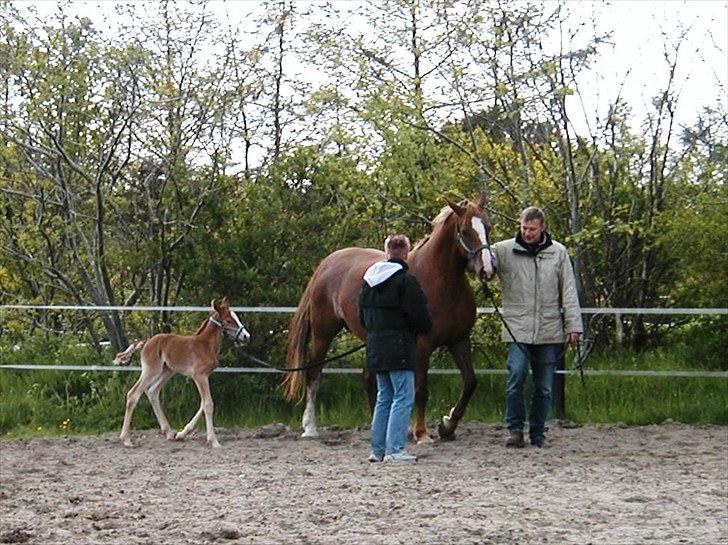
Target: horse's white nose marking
[479,228]
[245,334]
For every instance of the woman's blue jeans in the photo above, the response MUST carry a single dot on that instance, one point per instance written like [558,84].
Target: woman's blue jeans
[395,398]
[542,359]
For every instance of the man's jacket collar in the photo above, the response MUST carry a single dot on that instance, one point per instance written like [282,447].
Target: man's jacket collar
[532,249]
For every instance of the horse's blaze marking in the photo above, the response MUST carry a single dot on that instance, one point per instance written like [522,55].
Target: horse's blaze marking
[244,332]
[479,228]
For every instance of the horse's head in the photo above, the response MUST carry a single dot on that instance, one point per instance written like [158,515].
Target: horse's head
[473,236]
[222,315]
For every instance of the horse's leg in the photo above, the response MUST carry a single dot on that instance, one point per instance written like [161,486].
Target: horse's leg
[463,357]
[370,385]
[203,386]
[421,393]
[319,347]
[153,395]
[313,381]
[192,424]
[149,374]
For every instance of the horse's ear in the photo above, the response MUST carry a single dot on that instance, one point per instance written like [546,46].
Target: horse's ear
[225,302]
[482,201]
[458,209]
[214,304]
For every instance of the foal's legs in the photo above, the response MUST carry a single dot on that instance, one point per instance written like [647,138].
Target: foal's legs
[203,386]
[153,395]
[192,424]
[150,372]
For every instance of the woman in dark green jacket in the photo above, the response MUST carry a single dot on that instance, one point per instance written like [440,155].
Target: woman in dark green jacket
[393,309]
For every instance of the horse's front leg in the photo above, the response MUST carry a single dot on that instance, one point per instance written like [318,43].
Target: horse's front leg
[203,387]
[463,357]
[421,394]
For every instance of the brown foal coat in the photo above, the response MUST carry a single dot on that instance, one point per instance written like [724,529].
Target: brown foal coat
[194,356]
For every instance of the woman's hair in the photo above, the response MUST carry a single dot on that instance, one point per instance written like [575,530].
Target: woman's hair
[397,246]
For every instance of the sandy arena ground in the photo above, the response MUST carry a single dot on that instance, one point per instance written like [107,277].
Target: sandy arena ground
[606,484]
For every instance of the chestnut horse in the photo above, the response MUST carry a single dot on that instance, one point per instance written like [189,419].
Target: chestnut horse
[459,239]
[194,356]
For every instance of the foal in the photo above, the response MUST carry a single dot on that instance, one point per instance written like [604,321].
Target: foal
[194,356]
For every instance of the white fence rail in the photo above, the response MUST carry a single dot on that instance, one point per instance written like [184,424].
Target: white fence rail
[289,310]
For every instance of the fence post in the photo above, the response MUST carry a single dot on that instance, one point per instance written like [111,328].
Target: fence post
[560,388]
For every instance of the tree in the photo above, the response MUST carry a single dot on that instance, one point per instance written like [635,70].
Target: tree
[70,122]
[114,150]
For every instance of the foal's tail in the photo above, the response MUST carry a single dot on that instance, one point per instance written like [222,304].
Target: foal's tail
[125,356]
[299,333]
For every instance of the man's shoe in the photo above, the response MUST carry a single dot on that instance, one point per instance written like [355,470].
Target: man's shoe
[375,457]
[515,440]
[402,457]
[538,441]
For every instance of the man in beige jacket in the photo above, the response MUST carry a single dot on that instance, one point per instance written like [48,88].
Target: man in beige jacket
[541,310]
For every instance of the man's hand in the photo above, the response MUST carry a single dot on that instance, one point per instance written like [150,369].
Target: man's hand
[573,338]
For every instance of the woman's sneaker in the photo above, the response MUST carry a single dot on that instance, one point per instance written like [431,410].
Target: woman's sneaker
[375,457]
[402,456]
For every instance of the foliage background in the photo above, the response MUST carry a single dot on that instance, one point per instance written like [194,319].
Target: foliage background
[175,160]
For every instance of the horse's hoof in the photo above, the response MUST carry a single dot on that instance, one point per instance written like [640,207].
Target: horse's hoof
[312,434]
[128,443]
[179,436]
[444,431]
[171,435]
[424,439]
[215,444]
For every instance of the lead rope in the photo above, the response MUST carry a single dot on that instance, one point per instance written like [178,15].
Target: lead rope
[304,367]
[221,325]
[578,361]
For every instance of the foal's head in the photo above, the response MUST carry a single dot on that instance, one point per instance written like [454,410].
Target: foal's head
[473,235]
[223,316]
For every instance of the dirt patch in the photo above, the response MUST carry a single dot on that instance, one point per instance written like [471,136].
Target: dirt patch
[607,484]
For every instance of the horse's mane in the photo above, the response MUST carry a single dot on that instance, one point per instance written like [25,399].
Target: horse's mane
[441,217]
[202,326]
[422,242]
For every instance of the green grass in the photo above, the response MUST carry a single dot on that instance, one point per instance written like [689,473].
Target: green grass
[55,402]
[50,402]
[647,400]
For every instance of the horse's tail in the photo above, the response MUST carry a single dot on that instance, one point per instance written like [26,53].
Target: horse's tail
[299,334]
[125,356]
